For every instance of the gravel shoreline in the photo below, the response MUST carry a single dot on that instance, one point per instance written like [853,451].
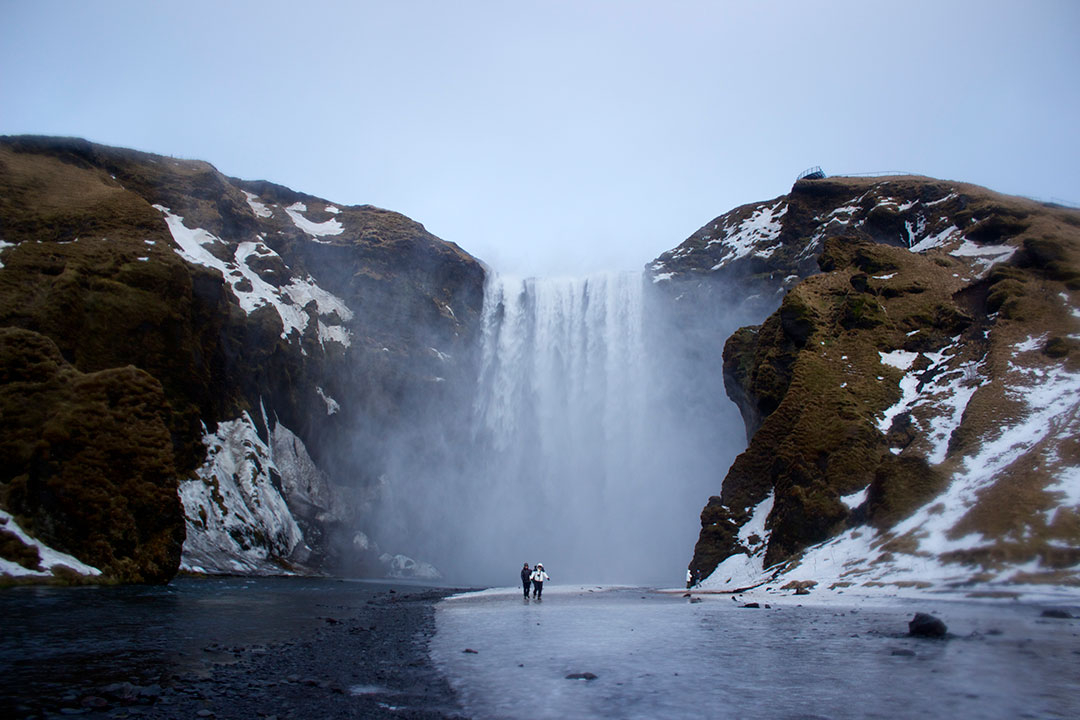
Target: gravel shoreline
[361,653]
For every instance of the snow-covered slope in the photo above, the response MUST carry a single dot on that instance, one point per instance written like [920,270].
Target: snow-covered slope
[913,401]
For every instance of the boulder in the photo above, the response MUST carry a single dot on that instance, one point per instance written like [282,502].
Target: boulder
[924,625]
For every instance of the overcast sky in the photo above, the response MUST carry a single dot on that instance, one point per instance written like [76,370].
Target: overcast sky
[550,137]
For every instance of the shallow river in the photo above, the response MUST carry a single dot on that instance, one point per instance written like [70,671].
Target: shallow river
[243,649]
[660,656]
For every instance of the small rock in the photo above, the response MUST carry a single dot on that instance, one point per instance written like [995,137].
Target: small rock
[752,605]
[205,713]
[802,591]
[471,651]
[1060,614]
[292,678]
[695,600]
[581,676]
[924,625]
[903,652]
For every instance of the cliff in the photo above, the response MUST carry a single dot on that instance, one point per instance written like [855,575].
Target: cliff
[911,401]
[197,363]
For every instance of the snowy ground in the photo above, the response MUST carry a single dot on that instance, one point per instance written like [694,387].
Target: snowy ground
[657,654]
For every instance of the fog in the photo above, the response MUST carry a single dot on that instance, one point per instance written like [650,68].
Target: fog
[590,443]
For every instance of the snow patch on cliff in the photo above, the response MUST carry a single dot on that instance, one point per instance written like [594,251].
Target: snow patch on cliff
[754,234]
[745,569]
[984,257]
[257,207]
[936,397]
[314,229]
[332,405]
[253,292]
[49,559]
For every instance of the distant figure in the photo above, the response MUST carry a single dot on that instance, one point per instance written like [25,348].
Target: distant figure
[697,577]
[689,579]
[538,578]
[526,577]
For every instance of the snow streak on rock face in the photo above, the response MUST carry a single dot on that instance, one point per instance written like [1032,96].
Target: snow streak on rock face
[252,291]
[49,559]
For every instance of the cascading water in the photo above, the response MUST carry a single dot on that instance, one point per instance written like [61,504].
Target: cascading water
[582,453]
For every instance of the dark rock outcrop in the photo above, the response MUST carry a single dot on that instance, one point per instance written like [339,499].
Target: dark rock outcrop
[925,625]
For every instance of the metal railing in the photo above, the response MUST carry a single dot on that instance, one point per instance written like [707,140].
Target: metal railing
[814,173]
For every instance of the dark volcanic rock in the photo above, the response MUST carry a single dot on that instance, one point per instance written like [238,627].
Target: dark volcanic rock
[1059,614]
[924,625]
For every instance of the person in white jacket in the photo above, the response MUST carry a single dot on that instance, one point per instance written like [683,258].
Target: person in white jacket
[539,577]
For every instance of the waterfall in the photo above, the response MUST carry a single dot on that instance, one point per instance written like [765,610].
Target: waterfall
[583,451]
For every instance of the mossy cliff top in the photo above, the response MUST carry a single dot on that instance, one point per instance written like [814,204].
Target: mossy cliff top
[911,403]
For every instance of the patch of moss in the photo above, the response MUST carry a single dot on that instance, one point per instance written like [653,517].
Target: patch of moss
[1004,297]
[87,460]
[901,485]
[996,228]
[1058,347]
[860,312]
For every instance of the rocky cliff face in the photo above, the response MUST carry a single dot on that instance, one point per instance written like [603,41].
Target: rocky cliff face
[912,402]
[186,355]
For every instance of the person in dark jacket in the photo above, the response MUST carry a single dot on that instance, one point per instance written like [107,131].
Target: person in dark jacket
[526,578]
